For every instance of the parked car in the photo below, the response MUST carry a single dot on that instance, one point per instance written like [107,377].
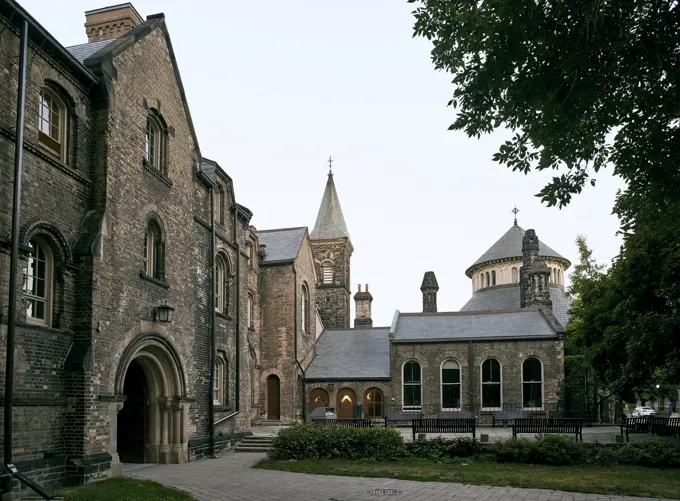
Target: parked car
[643,412]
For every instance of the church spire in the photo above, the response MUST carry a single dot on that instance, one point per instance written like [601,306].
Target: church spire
[330,223]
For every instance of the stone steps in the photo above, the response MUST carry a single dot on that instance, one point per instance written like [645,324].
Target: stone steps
[255,444]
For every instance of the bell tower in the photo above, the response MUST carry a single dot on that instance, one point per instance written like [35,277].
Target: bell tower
[332,250]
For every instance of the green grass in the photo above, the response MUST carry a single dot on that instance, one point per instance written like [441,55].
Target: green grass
[626,481]
[123,489]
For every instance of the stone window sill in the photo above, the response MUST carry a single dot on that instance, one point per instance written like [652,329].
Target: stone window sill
[158,174]
[155,281]
[225,316]
[221,407]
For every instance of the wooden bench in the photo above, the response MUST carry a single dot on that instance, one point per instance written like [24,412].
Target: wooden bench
[395,417]
[506,416]
[347,423]
[664,426]
[445,425]
[549,425]
[455,414]
[635,425]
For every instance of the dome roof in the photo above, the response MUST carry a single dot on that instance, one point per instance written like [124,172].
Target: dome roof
[510,246]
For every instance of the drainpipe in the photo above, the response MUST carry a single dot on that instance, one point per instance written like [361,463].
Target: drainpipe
[470,381]
[237,365]
[6,490]
[295,323]
[213,317]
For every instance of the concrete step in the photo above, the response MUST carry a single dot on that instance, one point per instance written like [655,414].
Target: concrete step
[251,449]
[258,438]
[254,444]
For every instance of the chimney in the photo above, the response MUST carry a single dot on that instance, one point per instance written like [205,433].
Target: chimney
[539,280]
[429,288]
[529,254]
[363,302]
[108,23]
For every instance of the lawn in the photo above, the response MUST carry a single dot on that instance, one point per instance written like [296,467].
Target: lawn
[625,481]
[127,489]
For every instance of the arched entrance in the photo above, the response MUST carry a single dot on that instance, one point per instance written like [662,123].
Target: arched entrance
[318,398]
[273,397]
[152,421]
[373,403]
[133,419]
[346,403]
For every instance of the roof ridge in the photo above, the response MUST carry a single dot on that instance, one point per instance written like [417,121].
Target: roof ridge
[462,313]
[282,229]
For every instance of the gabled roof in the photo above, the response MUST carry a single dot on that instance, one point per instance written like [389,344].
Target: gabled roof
[282,245]
[517,324]
[330,223]
[351,354]
[506,296]
[85,50]
[510,246]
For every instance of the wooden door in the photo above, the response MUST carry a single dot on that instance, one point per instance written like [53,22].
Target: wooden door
[346,403]
[273,398]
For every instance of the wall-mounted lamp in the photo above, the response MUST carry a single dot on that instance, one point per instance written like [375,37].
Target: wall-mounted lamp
[164,313]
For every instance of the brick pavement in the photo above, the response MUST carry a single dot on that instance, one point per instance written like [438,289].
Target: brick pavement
[230,478]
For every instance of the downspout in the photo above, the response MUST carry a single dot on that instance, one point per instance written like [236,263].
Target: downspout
[295,322]
[237,364]
[471,388]
[7,488]
[213,317]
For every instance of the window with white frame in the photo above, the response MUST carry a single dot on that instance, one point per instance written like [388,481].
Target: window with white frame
[491,384]
[53,123]
[221,285]
[532,383]
[412,385]
[515,274]
[221,380]
[450,382]
[38,283]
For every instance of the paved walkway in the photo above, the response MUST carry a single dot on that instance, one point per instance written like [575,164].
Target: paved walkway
[230,478]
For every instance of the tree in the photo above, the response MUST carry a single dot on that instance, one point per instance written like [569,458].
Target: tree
[581,84]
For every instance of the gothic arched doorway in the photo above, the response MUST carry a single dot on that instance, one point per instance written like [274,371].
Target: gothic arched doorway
[133,419]
[152,423]
[346,403]
[273,397]
[373,403]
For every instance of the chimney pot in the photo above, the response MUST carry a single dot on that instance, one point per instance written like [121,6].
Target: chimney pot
[366,287]
[359,288]
[363,302]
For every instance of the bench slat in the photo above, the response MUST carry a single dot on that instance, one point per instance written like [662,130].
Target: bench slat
[444,425]
[549,425]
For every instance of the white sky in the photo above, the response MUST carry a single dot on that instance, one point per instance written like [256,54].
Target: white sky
[276,87]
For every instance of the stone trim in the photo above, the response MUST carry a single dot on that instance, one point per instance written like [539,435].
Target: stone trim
[157,174]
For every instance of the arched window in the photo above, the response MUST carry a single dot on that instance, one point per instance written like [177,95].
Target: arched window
[450,385]
[38,283]
[515,274]
[304,309]
[481,280]
[251,312]
[53,128]
[487,279]
[154,248]
[318,398]
[412,388]
[155,139]
[491,384]
[552,271]
[221,382]
[221,285]
[493,277]
[327,271]
[532,383]
[373,403]
[346,404]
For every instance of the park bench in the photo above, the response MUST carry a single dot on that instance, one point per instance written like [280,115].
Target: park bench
[455,414]
[506,416]
[446,425]
[347,423]
[586,415]
[635,425]
[664,426]
[549,425]
[395,418]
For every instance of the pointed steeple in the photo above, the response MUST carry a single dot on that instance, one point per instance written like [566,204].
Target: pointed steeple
[330,223]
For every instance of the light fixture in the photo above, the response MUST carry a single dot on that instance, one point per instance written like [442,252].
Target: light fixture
[164,313]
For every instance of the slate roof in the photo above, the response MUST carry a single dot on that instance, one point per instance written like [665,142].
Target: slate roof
[282,244]
[472,326]
[510,245]
[85,50]
[330,223]
[507,296]
[351,354]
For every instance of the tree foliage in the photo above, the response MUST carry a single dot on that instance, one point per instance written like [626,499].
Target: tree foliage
[584,85]
[581,83]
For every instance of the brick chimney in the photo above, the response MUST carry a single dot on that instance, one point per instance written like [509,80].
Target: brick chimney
[108,23]
[363,302]
[429,288]
[539,280]
[530,247]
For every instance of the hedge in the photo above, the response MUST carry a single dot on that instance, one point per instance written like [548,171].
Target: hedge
[305,441]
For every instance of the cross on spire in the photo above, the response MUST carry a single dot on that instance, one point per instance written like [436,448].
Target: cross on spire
[330,165]
[515,211]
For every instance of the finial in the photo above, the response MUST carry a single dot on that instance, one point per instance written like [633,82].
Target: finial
[515,211]
[330,165]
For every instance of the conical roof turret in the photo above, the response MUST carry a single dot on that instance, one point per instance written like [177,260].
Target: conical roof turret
[330,222]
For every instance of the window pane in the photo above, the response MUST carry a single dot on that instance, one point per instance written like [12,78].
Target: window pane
[411,372]
[450,376]
[532,395]
[531,370]
[491,395]
[411,394]
[451,396]
[491,371]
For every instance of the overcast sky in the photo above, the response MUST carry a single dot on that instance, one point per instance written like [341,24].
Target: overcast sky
[276,87]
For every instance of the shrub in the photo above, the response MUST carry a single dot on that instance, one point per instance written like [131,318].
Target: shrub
[515,450]
[651,452]
[558,450]
[440,449]
[304,441]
